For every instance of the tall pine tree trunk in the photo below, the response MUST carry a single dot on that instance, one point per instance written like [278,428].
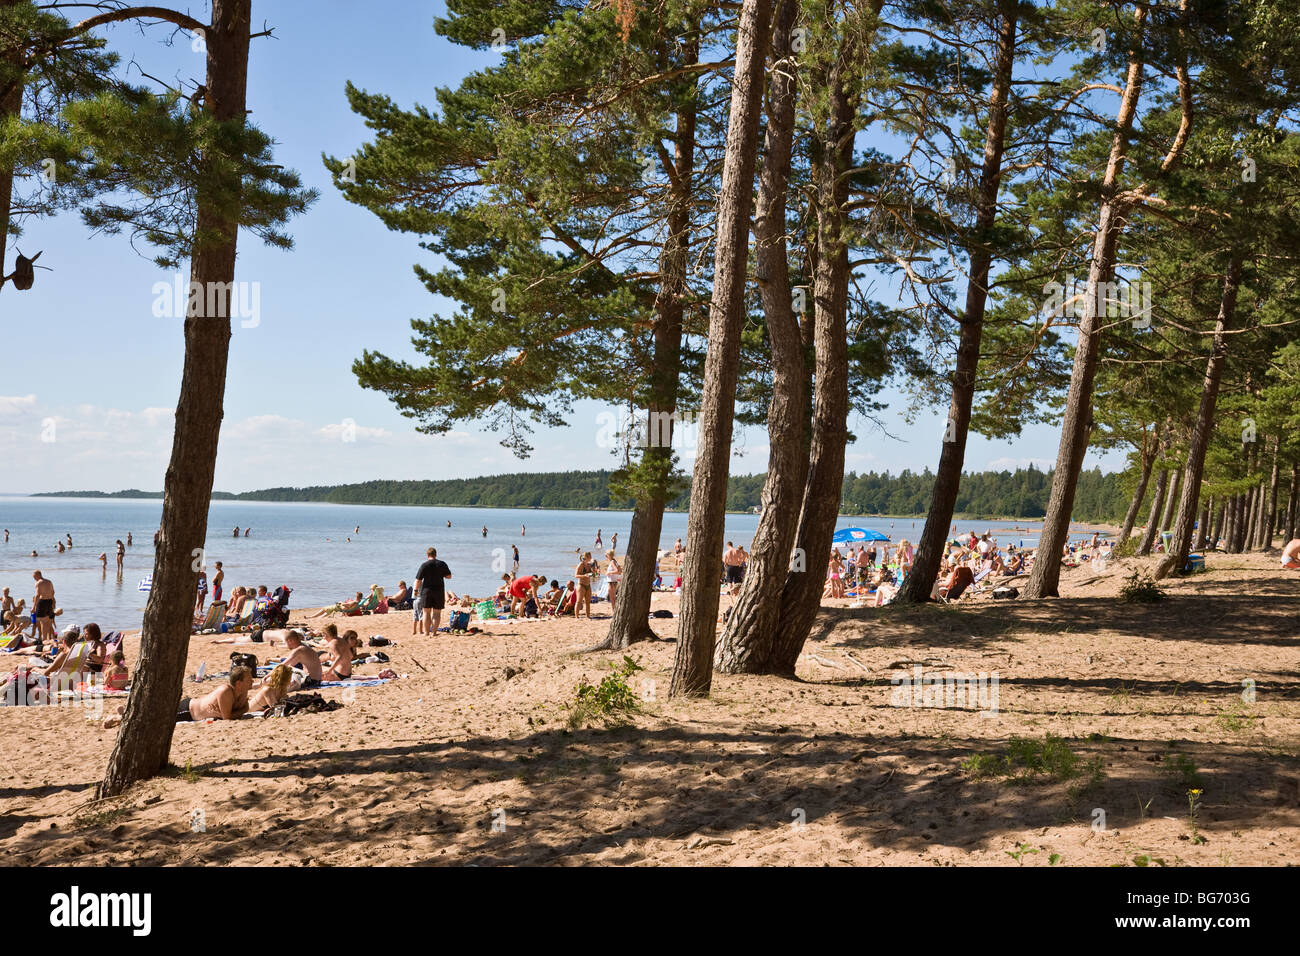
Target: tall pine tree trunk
[1270,517]
[1153,520]
[750,635]
[832,158]
[11,105]
[1216,534]
[1203,429]
[631,618]
[144,740]
[1292,513]
[1076,426]
[1149,449]
[1203,525]
[697,629]
[1171,500]
[952,456]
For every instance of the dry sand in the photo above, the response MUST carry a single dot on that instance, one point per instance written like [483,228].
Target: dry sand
[468,760]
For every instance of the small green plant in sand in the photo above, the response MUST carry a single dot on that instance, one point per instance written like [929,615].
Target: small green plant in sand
[1146,859]
[1193,806]
[100,819]
[612,701]
[186,773]
[1021,850]
[1236,718]
[1027,760]
[1140,588]
[1127,548]
[1182,769]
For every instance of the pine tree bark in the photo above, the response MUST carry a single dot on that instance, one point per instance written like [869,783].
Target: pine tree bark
[1076,425]
[1153,519]
[1292,514]
[1217,534]
[1150,446]
[832,158]
[1270,517]
[697,628]
[11,105]
[1171,500]
[631,618]
[144,740]
[749,638]
[920,580]
[1202,526]
[1203,429]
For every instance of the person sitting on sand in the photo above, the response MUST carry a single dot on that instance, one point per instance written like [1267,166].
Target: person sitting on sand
[342,649]
[552,595]
[567,600]
[302,656]
[1291,555]
[115,675]
[274,688]
[234,609]
[227,702]
[17,620]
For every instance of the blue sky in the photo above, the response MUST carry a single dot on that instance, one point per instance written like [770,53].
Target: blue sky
[93,374]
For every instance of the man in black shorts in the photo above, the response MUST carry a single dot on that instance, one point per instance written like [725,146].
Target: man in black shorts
[43,608]
[429,586]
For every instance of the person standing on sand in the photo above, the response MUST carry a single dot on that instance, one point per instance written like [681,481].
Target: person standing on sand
[613,574]
[429,584]
[43,608]
[203,590]
[583,572]
[731,562]
[216,583]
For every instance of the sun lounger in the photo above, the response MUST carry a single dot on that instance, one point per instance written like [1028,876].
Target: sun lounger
[213,618]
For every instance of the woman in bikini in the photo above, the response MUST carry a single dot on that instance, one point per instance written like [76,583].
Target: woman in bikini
[614,573]
[343,648]
[583,572]
[275,686]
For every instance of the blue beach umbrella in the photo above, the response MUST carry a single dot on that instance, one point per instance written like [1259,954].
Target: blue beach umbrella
[845,535]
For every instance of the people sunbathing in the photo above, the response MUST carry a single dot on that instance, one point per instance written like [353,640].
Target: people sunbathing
[274,688]
[341,650]
[302,656]
[227,702]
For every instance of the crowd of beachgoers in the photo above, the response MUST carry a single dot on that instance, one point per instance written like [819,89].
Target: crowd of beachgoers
[83,659]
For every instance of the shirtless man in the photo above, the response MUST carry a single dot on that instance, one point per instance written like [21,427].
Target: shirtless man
[43,607]
[733,560]
[216,583]
[1291,555]
[302,656]
[227,702]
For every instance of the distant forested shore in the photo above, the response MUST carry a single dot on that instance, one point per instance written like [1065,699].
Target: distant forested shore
[989,494]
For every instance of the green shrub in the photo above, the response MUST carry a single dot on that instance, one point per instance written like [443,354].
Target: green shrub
[1140,588]
[611,701]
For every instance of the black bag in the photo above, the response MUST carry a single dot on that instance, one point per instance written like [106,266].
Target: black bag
[379,642]
[304,704]
[24,273]
[238,659]
[664,612]
[1005,593]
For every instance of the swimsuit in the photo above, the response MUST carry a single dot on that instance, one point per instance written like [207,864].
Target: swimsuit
[44,608]
[183,710]
[216,592]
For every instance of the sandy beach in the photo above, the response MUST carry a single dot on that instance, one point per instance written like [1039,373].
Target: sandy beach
[468,759]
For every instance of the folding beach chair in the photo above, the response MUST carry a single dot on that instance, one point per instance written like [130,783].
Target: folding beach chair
[213,618]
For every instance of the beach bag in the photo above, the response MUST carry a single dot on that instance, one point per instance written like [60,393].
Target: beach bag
[530,608]
[378,641]
[238,659]
[664,612]
[459,620]
[487,610]
[24,273]
[1005,593]
[304,704]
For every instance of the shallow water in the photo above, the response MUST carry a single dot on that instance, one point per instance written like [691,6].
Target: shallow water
[307,546]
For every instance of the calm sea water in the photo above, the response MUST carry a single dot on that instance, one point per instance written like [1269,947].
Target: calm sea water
[307,546]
